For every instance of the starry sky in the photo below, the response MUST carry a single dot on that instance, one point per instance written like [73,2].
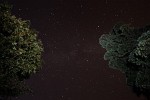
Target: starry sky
[73,67]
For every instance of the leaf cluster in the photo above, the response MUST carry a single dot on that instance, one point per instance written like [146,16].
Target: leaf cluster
[20,52]
[128,50]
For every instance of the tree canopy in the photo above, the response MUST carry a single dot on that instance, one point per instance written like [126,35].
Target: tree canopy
[128,50]
[20,52]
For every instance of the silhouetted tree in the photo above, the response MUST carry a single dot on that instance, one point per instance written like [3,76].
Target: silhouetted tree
[20,53]
[128,50]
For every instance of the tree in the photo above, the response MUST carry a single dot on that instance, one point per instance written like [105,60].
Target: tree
[20,53]
[128,50]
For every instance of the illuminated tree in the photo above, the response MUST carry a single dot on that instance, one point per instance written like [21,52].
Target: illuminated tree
[20,53]
[128,50]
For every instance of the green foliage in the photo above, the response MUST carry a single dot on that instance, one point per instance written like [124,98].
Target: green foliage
[20,52]
[128,50]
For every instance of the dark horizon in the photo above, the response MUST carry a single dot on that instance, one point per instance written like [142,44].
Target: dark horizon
[74,68]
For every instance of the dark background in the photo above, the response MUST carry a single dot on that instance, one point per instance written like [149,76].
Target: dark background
[73,67]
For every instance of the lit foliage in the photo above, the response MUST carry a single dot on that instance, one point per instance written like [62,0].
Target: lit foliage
[128,50]
[20,53]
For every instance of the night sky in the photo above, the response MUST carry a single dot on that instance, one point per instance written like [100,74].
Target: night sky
[73,67]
